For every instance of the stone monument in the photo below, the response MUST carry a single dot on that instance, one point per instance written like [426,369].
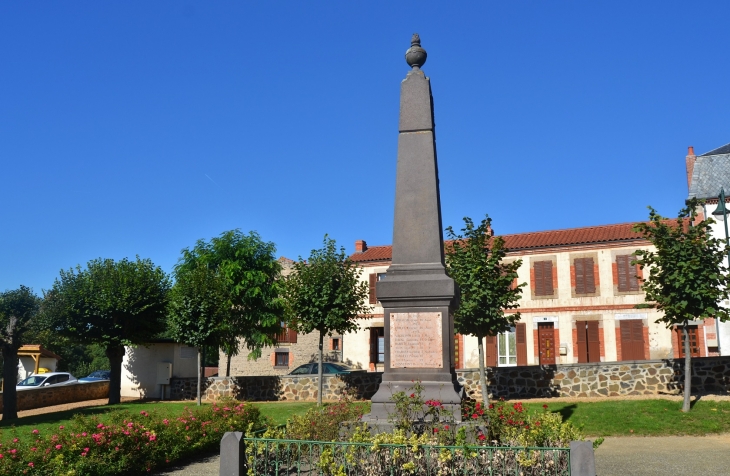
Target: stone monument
[416,294]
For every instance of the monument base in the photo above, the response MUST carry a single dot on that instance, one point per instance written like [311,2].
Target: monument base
[383,409]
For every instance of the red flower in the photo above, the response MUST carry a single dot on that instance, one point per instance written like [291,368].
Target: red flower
[481,437]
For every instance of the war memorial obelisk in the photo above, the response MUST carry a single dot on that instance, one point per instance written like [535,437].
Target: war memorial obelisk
[416,294]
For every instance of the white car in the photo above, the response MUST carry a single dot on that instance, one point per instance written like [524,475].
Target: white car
[46,380]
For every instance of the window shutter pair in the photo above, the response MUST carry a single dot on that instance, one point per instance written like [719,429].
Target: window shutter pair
[543,278]
[589,344]
[585,280]
[373,280]
[627,275]
[632,339]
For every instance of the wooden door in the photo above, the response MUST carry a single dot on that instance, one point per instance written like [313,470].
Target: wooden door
[589,343]
[546,342]
[694,342]
[632,340]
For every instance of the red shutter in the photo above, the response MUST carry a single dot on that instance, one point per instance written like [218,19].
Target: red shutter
[594,342]
[622,263]
[490,348]
[580,327]
[633,274]
[580,282]
[292,336]
[373,344]
[521,339]
[539,278]
[373,280]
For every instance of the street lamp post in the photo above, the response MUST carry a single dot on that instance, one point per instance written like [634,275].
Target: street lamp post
[721,214]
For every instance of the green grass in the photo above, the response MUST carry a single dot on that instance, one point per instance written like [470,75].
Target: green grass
[279,412]
[645,417]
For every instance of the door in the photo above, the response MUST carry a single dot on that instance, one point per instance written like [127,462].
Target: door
[589,344]
[632,339]
[546,342]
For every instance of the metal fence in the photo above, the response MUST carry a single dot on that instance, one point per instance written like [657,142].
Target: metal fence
[279,457]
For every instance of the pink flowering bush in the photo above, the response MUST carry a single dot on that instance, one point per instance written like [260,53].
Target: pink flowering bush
[122,442]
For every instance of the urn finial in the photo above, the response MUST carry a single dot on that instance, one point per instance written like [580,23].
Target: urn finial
[416,56]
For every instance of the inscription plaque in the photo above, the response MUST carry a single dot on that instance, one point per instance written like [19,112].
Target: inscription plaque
[415,340]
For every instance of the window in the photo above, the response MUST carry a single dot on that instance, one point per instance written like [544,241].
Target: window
[585,281]
[374,278]
[302,370]
[336,343]
[377,345]
[507,348]
[589,343]
[543,272]
[282,359]
[628,279]
[287,336]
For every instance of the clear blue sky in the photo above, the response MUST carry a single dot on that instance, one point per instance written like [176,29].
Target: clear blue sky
[139,127]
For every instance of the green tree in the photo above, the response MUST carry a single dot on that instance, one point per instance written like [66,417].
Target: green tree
[114,304]
[17,310]
[325,294]
[474,261]
[198,309]
[250,271]
[687,279]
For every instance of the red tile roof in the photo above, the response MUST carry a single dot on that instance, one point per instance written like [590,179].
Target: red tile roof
[535,240]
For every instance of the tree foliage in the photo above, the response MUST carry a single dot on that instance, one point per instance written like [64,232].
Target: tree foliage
[250,272]
[687,279]
[112,303]
[325,294]
[475,261]
[18,308]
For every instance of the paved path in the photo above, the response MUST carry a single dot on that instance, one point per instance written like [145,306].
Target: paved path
[626,456]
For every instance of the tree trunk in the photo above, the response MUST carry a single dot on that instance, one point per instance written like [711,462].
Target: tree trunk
[200,376]
[687,369]
[115,353]
[319,370]
[228,365]
[482,372]
[10,379]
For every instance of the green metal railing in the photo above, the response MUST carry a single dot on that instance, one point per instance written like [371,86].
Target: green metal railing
[279,457]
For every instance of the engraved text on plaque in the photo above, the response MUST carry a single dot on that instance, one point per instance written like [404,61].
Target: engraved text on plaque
[415,340]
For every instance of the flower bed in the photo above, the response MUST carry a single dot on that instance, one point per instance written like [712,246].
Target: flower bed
[121,442]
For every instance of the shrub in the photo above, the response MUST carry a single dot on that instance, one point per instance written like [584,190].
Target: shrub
[120,442]
[323,423]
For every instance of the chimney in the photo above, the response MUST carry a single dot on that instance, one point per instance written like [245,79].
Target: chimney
[690,161]
[360,246]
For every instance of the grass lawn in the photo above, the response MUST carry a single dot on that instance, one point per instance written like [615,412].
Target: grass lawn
[645,417]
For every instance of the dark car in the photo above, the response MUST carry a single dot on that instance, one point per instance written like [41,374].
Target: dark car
[329,368]
[96,376]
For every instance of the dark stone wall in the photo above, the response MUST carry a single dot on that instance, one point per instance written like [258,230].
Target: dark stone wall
[604,379]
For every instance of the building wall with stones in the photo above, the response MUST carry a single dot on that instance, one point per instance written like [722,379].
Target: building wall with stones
[653,377]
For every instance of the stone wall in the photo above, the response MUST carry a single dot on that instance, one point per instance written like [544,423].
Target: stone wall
[47,396]
[278,387]
[604,379]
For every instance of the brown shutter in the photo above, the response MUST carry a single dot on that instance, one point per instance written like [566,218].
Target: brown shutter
[590,278]
[539,278]
[373,344]
[490,348]
[292,336]
[373,280]
[548,285]
[580,283]
[521,339]
[580,327]
[633,274]
[622,263]
[594,342]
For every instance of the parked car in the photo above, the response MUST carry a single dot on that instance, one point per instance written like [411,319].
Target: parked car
[46,380]
[329,368]
[96,376]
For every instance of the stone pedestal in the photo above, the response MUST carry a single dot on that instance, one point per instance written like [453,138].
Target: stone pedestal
[416,294]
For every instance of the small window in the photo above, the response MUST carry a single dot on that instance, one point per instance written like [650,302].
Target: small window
[628,279]
[543,274]
[61,378]
[507,348]
[377,345]
[336,343]
[282,359]
[374,278]
[585,280]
